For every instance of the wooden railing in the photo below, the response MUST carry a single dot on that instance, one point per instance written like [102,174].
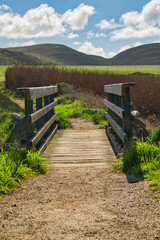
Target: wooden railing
[122,125]
[38,125]
[119,115]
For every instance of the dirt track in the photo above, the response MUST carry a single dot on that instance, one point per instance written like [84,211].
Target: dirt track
[80,203]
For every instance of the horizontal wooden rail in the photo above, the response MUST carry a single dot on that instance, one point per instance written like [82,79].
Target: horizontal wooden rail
[119,111]
[40,113]
[113,140]
[39,92]
[121,133]
[117,89]
[42,131]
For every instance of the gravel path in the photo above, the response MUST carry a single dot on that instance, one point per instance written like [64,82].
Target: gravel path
[80,203]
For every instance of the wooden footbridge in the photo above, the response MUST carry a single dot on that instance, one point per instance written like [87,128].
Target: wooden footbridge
[76,147]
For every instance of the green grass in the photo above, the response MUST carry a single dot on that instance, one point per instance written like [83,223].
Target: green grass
[116,69]
[17,164]
[142,159]
[7,107]
[3,69]
[75,109]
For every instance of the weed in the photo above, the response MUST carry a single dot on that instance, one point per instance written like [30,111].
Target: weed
[142,159]
[17,164]
[154,136]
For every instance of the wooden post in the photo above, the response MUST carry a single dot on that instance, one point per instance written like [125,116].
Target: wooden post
[127,125]
[39,106]
[46,102]
[28,111]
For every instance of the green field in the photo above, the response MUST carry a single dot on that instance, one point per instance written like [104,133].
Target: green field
[124,70]
[117,69]
[2,72]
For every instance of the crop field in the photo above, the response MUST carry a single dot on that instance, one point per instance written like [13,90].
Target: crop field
[145,95]
[120,70]
[125,70]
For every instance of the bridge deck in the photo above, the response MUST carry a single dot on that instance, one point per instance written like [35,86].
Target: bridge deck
[71,148]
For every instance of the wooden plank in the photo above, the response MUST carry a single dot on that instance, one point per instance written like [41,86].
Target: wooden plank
[47,141]
[127,118]
[113,140]
[119,111]
[117,89]
[38,107]
[38,92]
[37,115]
[42,131]
[28,110]
[120,132]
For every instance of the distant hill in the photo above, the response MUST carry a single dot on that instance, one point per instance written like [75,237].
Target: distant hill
[60,55]
[8,57]
[148,54]
[57,54]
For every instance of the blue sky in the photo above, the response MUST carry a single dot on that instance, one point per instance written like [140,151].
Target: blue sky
[100,27]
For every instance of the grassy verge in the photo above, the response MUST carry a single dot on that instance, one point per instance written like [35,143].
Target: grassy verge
[3,69]
[7,107]
[74,104]
[17,164]
[143,159]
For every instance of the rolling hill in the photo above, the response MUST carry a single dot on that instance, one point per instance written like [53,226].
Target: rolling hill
[60,55]
[57,54]
[148,54]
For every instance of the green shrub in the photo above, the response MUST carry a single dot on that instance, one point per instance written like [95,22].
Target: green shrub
[17,164]
[143,159]
[154,136]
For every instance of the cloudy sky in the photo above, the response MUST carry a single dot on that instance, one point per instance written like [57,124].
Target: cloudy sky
[100,27]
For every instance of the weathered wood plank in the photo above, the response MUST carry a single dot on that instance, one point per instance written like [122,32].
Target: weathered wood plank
[60,153]
[119,111]
[120,132]
[38,92]
[113,140]
[42,131]
[28,110]
[47,141]
[37,115]
[38,107]
[117,89]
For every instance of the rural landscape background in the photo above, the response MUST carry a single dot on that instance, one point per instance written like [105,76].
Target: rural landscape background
[80,47]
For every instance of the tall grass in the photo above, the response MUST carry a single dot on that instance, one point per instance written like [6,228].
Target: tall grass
[17,164]
[145,95]
[143,159]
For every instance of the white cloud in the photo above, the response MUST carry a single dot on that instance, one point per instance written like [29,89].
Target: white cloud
[20,44]
[91,34]
[43,21]
[77,43]
[104,24]
[78,18]
[72,35]
[5,7]
[88,48]
[140,24]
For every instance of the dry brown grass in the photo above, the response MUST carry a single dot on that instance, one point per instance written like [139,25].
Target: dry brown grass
[145,95]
